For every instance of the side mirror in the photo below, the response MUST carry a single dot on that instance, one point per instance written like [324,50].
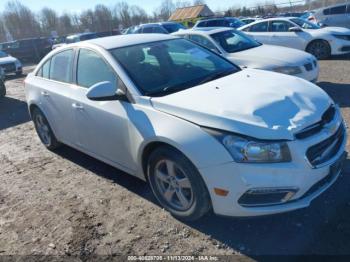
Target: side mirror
[104,91]
[295,29]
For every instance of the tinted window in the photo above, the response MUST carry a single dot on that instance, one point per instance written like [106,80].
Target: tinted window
[327,11]
[338,10]
[92,69]
[147,29]
[169,66]
[61,66]
[213,23]
[202,24]
[280,26]
[260,27]
[203,41]
[171,28]
[159,30]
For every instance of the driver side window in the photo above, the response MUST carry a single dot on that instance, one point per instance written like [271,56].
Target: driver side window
[259,27]
[93,69]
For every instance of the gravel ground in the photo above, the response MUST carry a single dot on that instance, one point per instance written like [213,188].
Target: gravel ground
[66,203]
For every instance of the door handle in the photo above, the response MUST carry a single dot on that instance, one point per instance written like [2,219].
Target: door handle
[44,93]
[77,106]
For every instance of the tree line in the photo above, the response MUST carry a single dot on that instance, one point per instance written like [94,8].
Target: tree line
[18,21]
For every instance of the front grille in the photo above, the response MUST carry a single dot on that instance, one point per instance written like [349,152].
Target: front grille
[308,66]
[9,67]
[324,151]
[327,117]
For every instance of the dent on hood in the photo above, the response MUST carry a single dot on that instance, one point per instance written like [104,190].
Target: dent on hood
[264,105]
[300,110]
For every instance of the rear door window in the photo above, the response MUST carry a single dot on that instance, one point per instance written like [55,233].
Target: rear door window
[44,71]
[61,66]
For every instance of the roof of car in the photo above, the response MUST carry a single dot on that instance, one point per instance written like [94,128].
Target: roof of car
[217,18]
[112,42]
[267,20]
[204,30]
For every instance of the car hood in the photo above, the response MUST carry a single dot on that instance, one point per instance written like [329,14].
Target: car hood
[268,57]
[255,103]
[331,30]
[8,59]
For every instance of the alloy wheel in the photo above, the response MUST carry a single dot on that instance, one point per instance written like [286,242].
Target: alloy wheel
[173,184]
[43,129]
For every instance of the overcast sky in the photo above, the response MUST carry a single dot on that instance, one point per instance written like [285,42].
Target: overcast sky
[148,5]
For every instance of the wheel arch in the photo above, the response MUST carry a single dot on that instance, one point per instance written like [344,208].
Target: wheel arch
[32,106]
[149,147]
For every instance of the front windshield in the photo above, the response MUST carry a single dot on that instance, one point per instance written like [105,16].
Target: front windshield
[164,67]
[3,54]
[304,24]
[233,41]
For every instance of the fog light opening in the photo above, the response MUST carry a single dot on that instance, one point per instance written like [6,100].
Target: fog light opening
[266,196]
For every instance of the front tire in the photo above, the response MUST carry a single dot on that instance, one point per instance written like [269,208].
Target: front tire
[177,184]
[44,130]
[320,49]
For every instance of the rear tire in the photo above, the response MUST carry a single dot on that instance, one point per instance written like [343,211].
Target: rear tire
[44,130]
[177,184]
[320,49]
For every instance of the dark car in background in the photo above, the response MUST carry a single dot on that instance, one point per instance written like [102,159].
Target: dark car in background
[220,22]
[30,49]
[159,28]
[75,38]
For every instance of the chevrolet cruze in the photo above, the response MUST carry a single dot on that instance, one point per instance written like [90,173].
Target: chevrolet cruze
[203,133]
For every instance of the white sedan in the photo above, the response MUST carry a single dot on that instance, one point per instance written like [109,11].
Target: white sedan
[248,53]
[301,34]
[10,64]
[203,133]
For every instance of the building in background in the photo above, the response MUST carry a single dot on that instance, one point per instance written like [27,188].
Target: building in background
[189,15]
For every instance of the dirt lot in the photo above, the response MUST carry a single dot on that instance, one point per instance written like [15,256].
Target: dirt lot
[68,203]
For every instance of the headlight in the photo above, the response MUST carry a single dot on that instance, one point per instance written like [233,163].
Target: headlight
[249,150]
[288,70]
[343,37]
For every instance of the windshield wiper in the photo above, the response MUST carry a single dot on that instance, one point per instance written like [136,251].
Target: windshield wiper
[216,76]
